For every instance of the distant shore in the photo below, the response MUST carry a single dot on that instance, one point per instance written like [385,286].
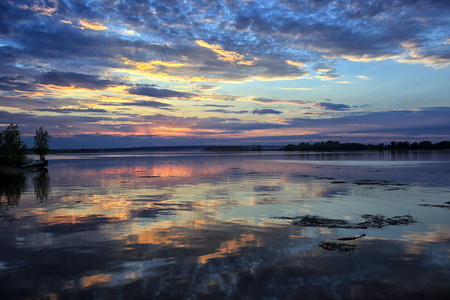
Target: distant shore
[337,146]
[319,146]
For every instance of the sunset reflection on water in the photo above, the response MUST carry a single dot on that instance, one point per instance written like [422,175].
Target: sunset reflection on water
[193,225]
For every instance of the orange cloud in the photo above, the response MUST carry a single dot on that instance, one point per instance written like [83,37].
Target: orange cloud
[414,55]
[41,7]
[295,63]
[93,25]
[223,55]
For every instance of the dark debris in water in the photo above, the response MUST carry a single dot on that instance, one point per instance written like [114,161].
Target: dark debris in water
[372,182]
[376,182]
[351,238]
[370,221]
[338,247]
[446,205]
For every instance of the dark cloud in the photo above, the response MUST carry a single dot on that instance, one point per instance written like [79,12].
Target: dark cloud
[271,32]
[226,111]
[265,100]
[11,83]
[73,79]
[142,103]
[217,105]
[207,87]
[147,103]
[8,54]
[158,93]
[270,101]
[266,111]
[355,30]
[72,110]
[332,106]
[57,125]
[425,121]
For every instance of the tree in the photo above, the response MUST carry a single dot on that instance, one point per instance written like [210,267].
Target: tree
[12,148]
[41,143]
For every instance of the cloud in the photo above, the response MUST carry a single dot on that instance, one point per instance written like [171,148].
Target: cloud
[47,7]
[295,63]
[158,93]
[73,79]
[92,25]
[207,87]
[72,110]
[228,56]
[266,111]
[296,89]
[417,124]
[263,100]
[437,56]
[142,103]
[328,76]
[325,71]
[287,30]
[11,83]
[226,111]
[422,123]
[332,106]
[60,125]
[217,105]
[357,31]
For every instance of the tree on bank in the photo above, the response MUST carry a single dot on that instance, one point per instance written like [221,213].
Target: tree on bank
[41,143]
[12,149]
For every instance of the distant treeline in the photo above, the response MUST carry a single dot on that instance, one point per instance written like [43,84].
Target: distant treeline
[233,148]
[337,146]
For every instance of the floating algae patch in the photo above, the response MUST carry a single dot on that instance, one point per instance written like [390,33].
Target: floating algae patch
[372,182]
[446,205]
[352,237]
[338,247]
[376,182]
[342,247]
[370,221]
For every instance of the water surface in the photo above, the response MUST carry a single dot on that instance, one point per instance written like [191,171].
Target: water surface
[204,225]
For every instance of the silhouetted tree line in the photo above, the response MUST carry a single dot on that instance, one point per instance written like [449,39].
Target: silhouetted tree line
[13,150]
[233,148]
[395,146]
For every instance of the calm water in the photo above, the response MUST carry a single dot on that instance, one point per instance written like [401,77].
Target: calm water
[201,225]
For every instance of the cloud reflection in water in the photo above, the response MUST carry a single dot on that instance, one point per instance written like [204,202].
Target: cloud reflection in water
[202,226]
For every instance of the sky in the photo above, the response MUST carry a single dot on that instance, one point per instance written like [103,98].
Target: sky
[130,73]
